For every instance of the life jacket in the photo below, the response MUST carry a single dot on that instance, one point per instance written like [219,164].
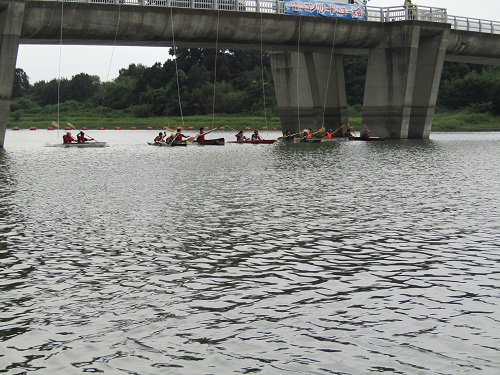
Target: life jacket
[201,137]
[158,138]
[178,137]
[328,135]
[66,138]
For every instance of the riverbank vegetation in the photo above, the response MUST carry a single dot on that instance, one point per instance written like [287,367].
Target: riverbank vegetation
[188,93]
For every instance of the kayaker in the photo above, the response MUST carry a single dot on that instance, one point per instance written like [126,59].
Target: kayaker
[366,134]
[159,137]
[240,137]
[329,134]
[287,137]
[68,138]
[348,133]
[179,136]
[201,135]
[256,136]
[81,137]
[310,134]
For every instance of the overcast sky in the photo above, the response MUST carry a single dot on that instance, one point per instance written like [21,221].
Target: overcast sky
[44,62]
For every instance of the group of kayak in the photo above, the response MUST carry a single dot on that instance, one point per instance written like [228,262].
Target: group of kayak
[309,136]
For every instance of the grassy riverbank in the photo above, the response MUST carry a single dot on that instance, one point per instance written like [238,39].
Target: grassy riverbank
[449,121]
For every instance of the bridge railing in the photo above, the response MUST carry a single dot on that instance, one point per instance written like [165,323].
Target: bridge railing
[388,14]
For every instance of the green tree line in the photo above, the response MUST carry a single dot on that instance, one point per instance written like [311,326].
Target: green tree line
[204,81]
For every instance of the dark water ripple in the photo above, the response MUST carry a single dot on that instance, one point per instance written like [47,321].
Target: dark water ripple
[311,259]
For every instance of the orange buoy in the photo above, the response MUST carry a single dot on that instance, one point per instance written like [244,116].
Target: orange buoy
[68,128]
[264,128]
[133,128]
[275,129]
[15,128]
[118,128]
[85,128]
[206,128]
[222,127]
[32,128]
[150,128]
[50,128]
[247,128]
[101,128]
[190,127]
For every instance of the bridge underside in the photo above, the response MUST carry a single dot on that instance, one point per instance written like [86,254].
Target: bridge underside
[400,93]
[404,65]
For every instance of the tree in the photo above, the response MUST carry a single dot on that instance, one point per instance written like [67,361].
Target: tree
[21,84]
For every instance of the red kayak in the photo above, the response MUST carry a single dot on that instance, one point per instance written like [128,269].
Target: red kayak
[256,142]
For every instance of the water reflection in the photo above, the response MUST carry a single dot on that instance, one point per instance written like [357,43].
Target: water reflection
[338,258]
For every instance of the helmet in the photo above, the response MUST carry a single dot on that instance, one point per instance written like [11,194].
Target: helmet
[330,130]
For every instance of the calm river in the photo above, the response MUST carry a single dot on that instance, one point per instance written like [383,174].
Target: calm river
[345,258]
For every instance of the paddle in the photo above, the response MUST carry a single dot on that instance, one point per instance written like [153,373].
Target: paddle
[56,125]
[321,130]
[336,130]
[191,139]
[86,135]
[290,135]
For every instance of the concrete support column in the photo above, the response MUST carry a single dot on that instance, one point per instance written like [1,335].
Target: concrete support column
[402,81]
[310,90]
[11,21]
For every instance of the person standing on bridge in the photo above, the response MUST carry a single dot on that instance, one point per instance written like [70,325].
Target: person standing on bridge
[410,9]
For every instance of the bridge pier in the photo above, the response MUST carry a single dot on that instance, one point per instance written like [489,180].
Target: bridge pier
[11,21]
[402,80]
[310,90]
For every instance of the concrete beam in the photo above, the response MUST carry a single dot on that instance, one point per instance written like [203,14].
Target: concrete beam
[310,90]
[402,81]
[11,20]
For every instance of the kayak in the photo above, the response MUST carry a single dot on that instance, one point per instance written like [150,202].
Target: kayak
[165,144]
[85,145]
[212,142]
[366,139]
[308,140]
[256,142]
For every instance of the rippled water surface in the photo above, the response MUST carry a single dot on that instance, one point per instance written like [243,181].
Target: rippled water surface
[345,258]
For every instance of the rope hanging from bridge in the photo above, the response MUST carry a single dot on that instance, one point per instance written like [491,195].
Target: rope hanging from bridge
[262,71]
[298,64]
[329,72]
[215,67]
[176,68]
[110,62]
[60,59]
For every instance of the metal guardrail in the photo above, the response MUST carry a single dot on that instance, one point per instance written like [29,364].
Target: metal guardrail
[374,14]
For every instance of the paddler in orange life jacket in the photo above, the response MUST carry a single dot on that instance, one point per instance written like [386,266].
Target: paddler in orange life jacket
[68,138]
[310,134]
[329,134]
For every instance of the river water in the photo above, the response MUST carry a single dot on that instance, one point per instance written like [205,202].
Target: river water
[344,258]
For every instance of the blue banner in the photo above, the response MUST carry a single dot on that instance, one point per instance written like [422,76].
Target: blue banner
[325,9]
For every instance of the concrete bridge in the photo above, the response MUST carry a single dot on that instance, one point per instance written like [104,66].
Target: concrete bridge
[404,47]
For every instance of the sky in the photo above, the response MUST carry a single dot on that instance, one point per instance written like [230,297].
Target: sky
[44,62]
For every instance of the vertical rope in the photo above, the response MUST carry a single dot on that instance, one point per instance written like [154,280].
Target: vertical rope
[298,64]
[215,67]
[110,62]
[329,71]
[176,68]
[60,58]
[262,71]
